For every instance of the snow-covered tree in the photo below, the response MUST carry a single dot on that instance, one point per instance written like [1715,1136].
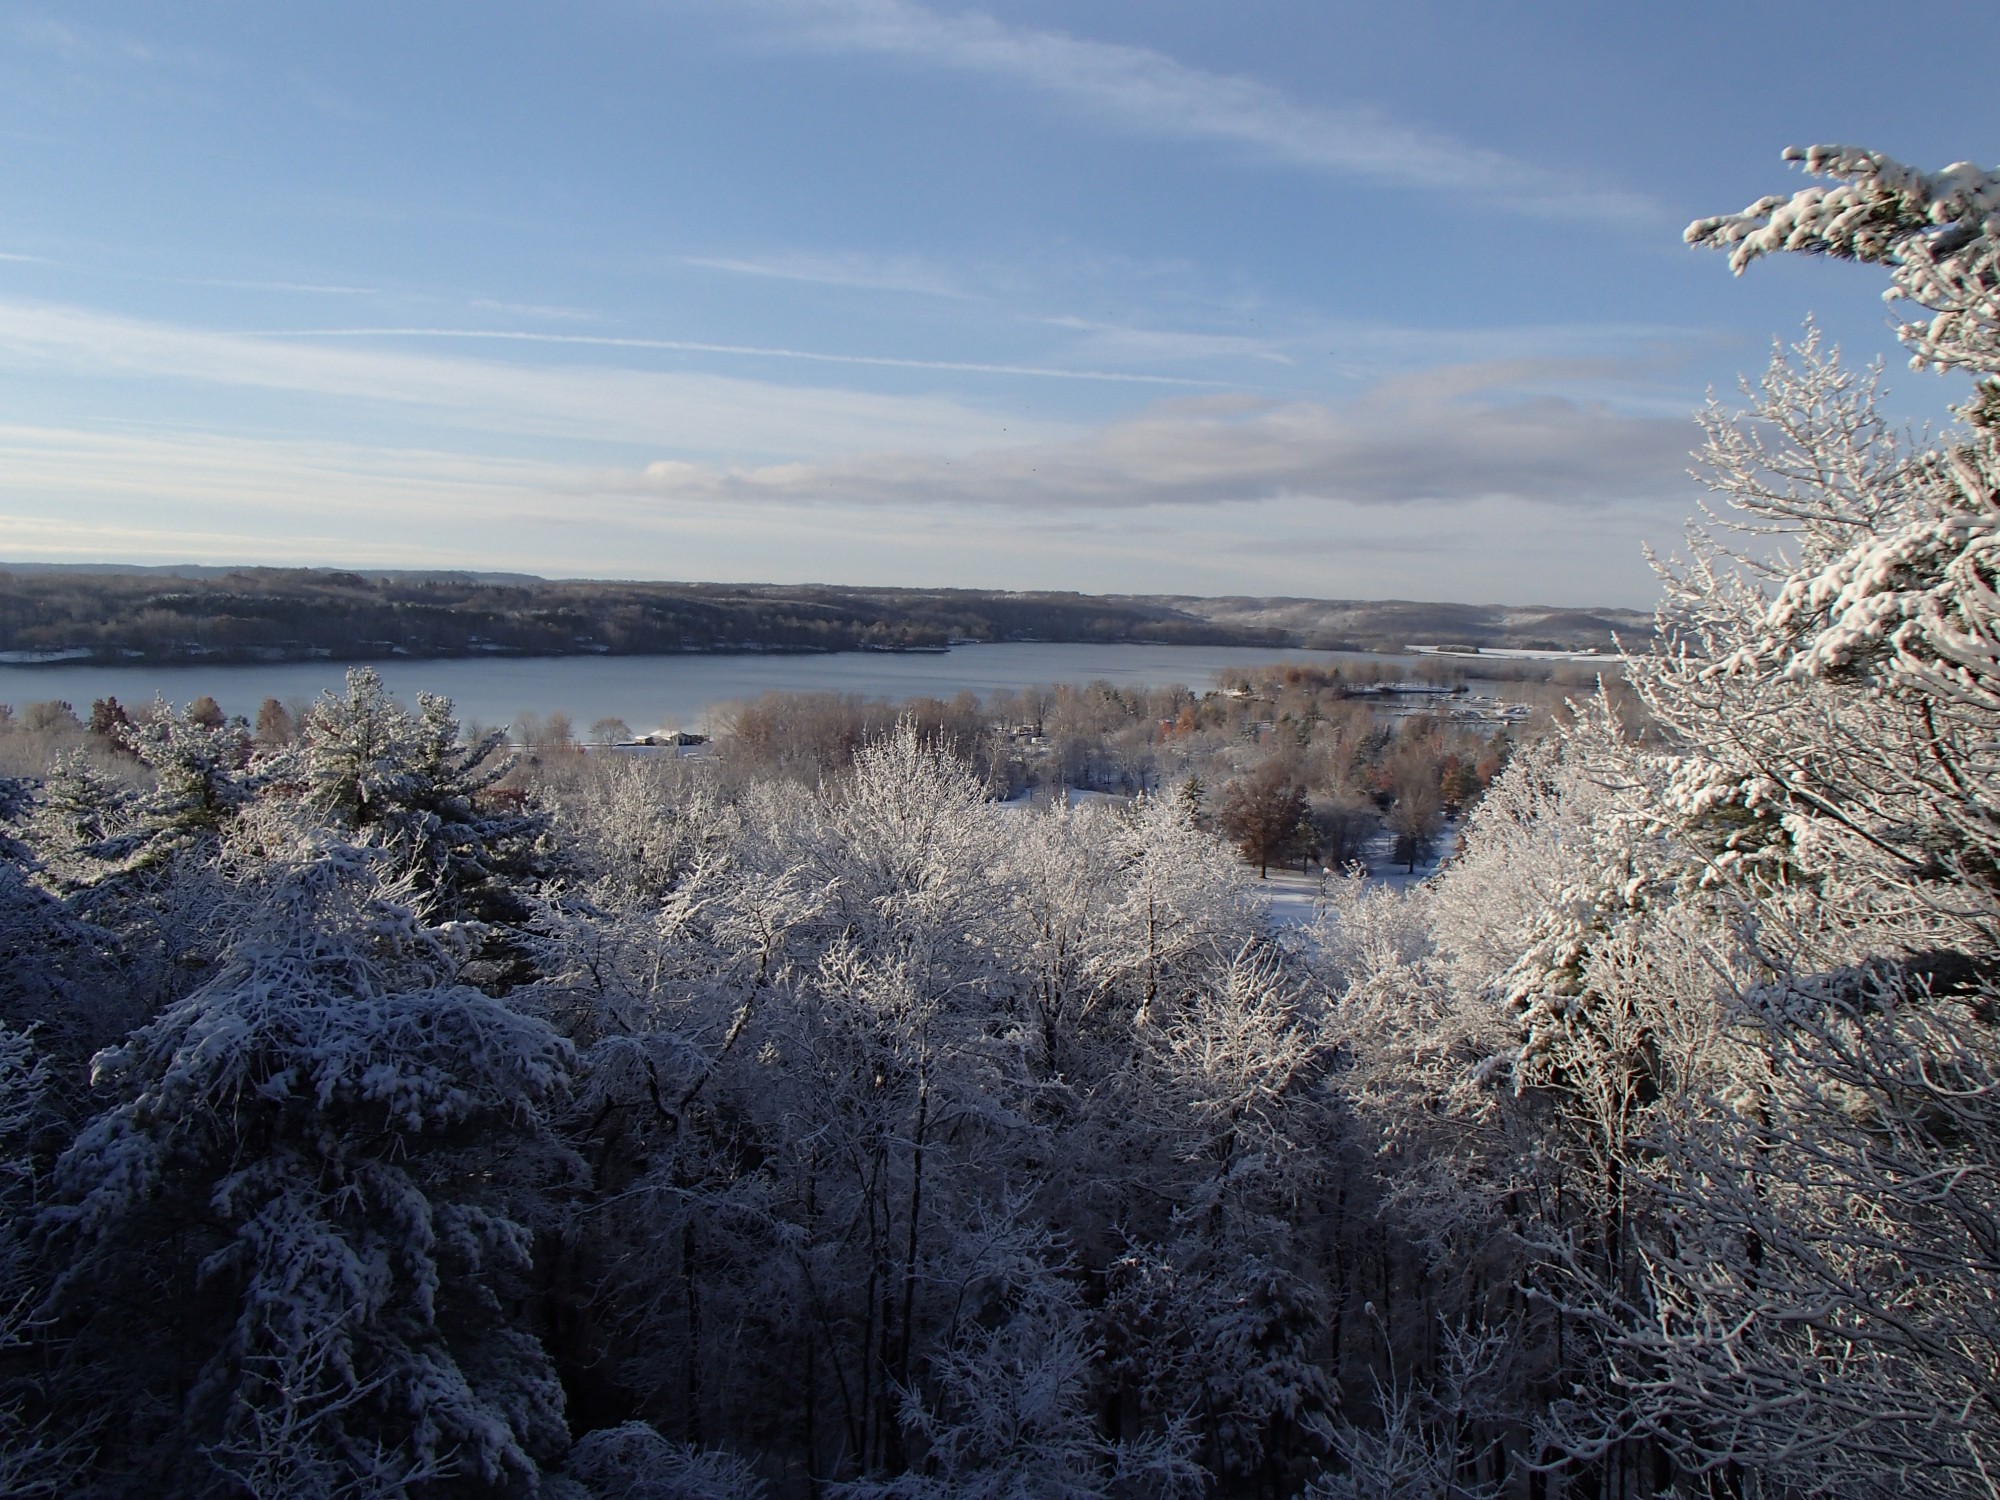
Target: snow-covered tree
[95,831]
[55,972]
[633,1462]
[1802,966]
[408,782]
[299,1234]
[138,860]
[37,1456]
[1938,232]
[199,763]
[1004,1410]
[832,1031]
[1819,1301]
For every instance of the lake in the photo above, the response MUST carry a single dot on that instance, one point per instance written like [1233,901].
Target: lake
[657,692]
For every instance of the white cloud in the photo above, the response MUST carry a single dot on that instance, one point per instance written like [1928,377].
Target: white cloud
[1149,93]
[1454,434]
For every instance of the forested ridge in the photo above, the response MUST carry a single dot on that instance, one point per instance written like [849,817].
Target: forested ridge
[377,1120]
[281,614]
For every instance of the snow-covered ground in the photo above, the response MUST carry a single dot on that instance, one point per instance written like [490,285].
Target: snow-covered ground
[1041,797]
[1291,897]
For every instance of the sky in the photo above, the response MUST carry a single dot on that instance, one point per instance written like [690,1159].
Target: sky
[1268,297]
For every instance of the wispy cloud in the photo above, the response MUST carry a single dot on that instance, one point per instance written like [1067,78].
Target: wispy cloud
[212,479]
[869,273]
[1447,435]
[50,35]
[147,495]
[41,538]
[1115,341]
[759,351]
[1149,93]
[310,288]
[535,310]
[68,492]
[105,51]
[686,411]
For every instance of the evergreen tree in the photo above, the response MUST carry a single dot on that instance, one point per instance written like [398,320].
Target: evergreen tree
[293,1248]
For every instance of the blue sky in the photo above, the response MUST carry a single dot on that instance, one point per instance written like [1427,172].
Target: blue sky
[1261,297]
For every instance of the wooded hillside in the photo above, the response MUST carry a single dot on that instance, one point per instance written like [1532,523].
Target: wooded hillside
[288,614]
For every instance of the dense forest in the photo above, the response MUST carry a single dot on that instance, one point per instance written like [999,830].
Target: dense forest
[379,1117]
[279,614]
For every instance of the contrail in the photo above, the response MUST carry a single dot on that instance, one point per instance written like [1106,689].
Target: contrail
[689,347]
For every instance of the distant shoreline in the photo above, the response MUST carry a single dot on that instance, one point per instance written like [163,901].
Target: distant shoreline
[274,616]
[1514,653]
[220,658]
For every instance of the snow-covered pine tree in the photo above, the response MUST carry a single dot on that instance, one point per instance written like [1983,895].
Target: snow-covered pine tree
[55,970]
[37,1457]
[138,859]
[406,781]
[293,1248]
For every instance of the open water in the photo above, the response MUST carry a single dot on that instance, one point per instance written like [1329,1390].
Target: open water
[657,692]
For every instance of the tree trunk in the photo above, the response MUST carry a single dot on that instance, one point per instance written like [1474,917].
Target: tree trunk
[692,1375]
[916,1211]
